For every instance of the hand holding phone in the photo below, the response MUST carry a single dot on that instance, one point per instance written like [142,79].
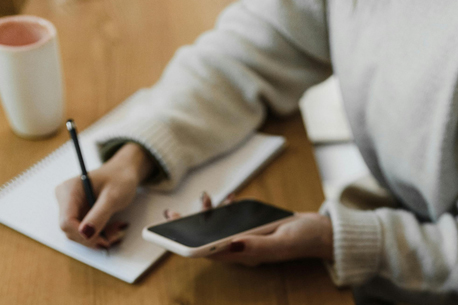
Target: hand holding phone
[211,231]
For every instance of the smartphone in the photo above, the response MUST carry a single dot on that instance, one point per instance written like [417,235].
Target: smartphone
[211,231]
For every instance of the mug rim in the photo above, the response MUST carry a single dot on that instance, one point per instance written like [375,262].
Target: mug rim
[29,18]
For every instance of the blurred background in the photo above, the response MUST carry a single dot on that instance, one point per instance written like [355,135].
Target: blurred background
[10,7]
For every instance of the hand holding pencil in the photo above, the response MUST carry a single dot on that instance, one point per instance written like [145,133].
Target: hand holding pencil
[87,203]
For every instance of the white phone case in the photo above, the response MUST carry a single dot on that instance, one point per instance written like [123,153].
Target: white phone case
[210,248]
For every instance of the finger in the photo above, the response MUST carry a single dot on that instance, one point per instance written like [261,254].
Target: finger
[229,199]
[72,208]
[69,220]
[171,215]
[70,205]
[115,232]
[268,248]
[70,227]
[253,250]
[97,243]
[97,217]
[174,215]
[206,201]
[114,227]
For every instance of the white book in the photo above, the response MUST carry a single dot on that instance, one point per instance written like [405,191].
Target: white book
[28,204]
[339,165]
[324,114]
[339,160]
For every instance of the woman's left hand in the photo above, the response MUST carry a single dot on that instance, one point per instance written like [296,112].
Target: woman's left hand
[309,235]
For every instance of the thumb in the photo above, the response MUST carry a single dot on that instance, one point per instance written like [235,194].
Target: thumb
[97,217]
[266,248]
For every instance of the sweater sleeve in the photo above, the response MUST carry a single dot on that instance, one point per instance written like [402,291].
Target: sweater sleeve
[215,93]
[393,244]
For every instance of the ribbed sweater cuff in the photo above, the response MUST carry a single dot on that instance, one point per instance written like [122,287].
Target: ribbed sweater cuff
[357,244]
[158,139]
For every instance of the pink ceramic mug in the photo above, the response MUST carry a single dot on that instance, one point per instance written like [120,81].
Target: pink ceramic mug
[31,87]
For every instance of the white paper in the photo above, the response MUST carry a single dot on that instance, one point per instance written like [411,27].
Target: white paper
[339,165]
[339,160]
[29,205]
[324,115]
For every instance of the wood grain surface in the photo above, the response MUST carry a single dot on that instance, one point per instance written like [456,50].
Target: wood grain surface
[10,7]
[109,50]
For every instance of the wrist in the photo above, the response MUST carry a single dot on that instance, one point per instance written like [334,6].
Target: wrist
[327,239]
[133,161]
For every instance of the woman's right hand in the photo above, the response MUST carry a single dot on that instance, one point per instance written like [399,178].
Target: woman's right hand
[115,184]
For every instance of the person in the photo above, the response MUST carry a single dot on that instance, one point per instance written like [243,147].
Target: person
[398,71]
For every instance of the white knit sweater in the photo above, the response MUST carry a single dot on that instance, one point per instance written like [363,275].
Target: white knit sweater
[397,62]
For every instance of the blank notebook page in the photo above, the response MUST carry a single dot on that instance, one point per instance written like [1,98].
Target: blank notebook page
[28,204]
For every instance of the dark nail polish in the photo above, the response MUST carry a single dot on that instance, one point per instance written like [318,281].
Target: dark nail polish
[102,247]
[124,226]
[115,243]
[166,213]
[237,246]
[88,231]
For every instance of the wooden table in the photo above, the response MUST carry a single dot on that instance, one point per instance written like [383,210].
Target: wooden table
[10,7]
[110,49]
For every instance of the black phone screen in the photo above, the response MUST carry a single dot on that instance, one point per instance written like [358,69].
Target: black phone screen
[212,225]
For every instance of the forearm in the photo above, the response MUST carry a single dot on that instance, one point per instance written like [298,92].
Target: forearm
[133,161]
[214,93]
[393,244]
[419,256]
[327,240]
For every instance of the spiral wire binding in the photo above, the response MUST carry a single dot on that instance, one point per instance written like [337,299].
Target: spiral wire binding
[11,184]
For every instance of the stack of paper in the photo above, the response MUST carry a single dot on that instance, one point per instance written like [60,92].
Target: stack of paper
[324,115]
[338,158]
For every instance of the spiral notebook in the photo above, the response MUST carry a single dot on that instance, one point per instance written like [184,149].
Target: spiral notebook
[28,205]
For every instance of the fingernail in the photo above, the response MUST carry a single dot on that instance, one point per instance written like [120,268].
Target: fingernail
[124,226]
[88,231]
[102,247]
[203,196]
[166,213]
[231,196]
[237,246]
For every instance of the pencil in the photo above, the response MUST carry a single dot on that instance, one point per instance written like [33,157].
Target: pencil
[87,184]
